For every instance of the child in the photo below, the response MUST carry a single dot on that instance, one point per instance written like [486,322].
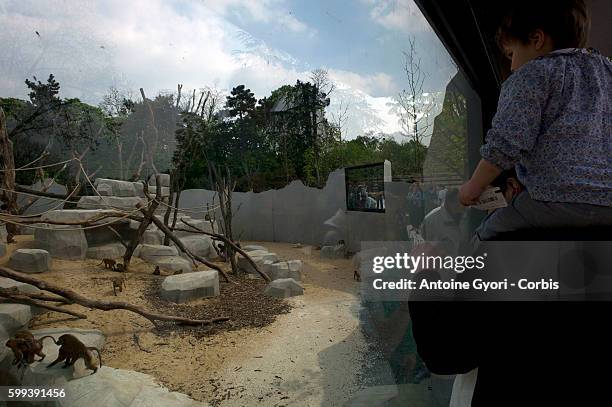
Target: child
[553,122]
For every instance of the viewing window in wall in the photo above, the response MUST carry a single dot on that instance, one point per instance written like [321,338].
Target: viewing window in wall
[365,188]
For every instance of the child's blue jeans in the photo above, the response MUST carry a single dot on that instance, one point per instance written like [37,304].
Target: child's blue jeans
[526,213]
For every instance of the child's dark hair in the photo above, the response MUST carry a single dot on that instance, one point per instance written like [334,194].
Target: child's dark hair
[565,21]
[501,181]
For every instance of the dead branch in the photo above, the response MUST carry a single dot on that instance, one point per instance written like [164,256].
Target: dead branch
[7,181]
[146,221]
[19,188]
[37,296]
[227,242]
[166,230]
[26,300]
[103,305]
[112,229]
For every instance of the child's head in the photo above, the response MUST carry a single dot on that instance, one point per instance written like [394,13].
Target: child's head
[536,27]
[508,184]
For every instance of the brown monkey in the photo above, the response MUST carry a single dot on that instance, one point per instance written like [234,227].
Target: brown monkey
[72,349]
[25,347]
[356,275]
[118,283]
[119,267]
[156,272]
[108,263]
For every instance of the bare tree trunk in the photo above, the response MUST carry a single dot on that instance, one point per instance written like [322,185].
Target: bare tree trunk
[153,146]
[148,214]
[9,198]
[102,305]
[171,199]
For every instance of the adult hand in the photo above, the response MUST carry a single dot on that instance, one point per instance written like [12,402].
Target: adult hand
[469,193]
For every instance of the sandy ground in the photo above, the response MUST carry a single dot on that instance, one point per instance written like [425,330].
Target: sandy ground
[310,356]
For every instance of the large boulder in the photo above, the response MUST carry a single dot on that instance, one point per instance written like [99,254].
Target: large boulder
[186,287]
[37,373]
[283,288]
[150,252]
[62,244]
[104,190]
[201,224]
[284,269]
[153,236]
[112,387]
[30,260]
[173,263]
[25,288]
[14,317]
[254,247]
[259,257]
[118,188]
[109,202]
[107,251]
[199,245]
[333,252]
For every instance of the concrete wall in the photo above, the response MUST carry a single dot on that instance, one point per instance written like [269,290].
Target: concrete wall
[298,214]
[307,215]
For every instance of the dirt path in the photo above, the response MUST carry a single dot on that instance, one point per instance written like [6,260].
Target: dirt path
[308,357]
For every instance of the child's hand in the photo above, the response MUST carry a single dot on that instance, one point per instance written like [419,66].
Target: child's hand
[469,193]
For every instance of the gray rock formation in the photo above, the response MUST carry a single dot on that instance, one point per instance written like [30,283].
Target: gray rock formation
[153,236]
[186,287]
[30,260]
[2,249]
[173,263]
[14,317]
[62,244]
[151,253]
[201,224]
[109,202]
[107,251]
[112,387]
[283,288]
[284,269]
[259,257]
[118,188]
[21,287]
[333,252]
[198,244]
[254,247]
[105,189]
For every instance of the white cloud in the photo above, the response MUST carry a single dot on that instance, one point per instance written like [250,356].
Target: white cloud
[92,44]
[402,15]
[262,11]
[377,84]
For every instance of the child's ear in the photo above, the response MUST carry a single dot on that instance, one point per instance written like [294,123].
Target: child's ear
[537,38]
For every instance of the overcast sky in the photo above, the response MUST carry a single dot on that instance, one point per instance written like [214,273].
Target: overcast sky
[91,45]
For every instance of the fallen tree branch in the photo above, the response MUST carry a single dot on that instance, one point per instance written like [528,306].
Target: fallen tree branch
[5,292]
[23,299]
[166,230]
[228,242]
[103,305]
[31,191]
